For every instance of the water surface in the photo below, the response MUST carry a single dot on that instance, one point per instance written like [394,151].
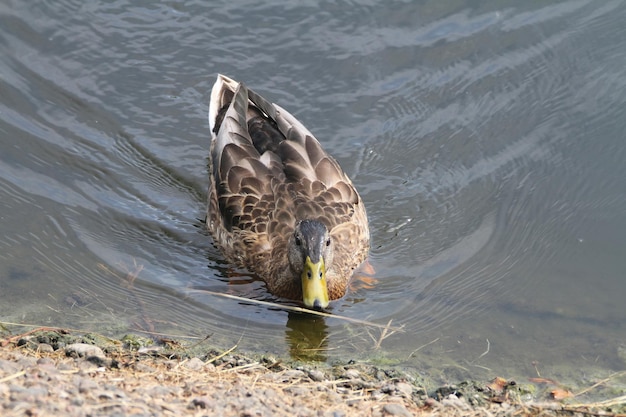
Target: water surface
[487,142]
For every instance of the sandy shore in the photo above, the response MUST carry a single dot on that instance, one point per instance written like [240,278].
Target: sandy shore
[49,373]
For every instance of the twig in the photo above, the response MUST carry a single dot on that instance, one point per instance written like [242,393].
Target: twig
[221,355]
[487,351]
[482,367]
[10,377]
[384,335]
[597,384]
[423,346]
[242,367]
[298,309]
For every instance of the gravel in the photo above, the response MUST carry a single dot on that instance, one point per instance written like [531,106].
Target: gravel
[83,380]
[78,378]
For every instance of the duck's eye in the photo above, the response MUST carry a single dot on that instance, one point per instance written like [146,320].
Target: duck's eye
[328,242]
[298,241]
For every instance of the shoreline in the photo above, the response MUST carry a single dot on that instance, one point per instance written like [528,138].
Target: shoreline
[52,371]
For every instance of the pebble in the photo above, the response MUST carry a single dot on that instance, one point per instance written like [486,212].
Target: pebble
[82,350]
[8,367]
[293,374]
[45,348]
[55,385]
[194,364]
[351,374]
[297,391]
[377,395]
[161,391]
[142,367]
[396,410]
[405,389]
[200,402]
[45,361]
[78,400]
[66,367]
[28,394]
[316,375]
[104,395]
[26,361]
[86,385]
[388,388]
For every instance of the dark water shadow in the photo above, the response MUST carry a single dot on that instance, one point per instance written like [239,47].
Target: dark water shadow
[307,337]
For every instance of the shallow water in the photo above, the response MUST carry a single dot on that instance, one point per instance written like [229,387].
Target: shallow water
[487,143]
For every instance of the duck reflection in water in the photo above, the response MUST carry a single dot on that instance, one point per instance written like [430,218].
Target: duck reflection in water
[307,337]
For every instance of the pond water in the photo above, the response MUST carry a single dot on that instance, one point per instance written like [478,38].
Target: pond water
[486,139]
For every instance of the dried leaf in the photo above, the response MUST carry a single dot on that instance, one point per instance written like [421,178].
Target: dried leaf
[498,384]
[560,394]
[546,381]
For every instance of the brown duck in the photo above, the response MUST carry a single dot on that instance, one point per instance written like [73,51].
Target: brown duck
[278,204]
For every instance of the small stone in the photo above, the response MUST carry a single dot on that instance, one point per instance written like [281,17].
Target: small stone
[194,364]
[316,375]
[13,388]
[45,348]
[351,374]
[162,391]
[297,391]
[101,361]
[270,394]
[377,395]
[45,361]
[333,397]
[170,364]
[388,388]
[142,367]
[293,374]
[8,367]
[200,402]
[105,395]
[30,394]
[86,385]
[396,410]
[22,406]
[80,350]
[404,388]
[27,362]
[66,367]
[150,350]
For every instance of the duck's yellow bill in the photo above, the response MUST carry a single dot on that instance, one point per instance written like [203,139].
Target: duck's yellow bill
[314,289]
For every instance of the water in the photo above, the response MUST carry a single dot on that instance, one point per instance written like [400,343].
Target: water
[486,141]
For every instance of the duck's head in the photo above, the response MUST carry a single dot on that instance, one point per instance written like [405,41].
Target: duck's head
[310,255]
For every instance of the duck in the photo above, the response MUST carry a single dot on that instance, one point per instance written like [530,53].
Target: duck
[278,204]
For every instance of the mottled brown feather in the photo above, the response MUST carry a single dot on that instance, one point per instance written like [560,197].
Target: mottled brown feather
[267,172]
